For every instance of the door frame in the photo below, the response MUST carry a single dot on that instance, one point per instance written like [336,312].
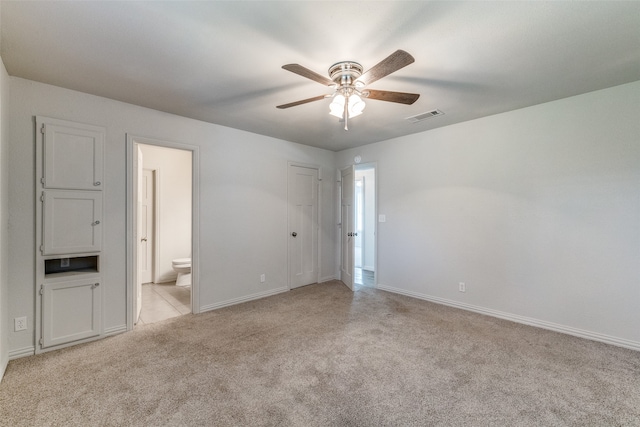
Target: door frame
[131,218]
[318,215]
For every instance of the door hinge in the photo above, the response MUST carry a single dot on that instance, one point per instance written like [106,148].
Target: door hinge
[41,290]
[42,180]
[42,128]
[42,197]
[41,341]
[42,248]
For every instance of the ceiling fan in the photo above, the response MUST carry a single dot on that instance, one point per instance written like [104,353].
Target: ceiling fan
[348,82]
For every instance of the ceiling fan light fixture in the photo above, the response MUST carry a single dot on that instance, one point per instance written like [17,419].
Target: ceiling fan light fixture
[336,108]
[356,105]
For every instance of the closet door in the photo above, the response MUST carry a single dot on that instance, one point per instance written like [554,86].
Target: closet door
[71,222]
[73,156]
[71,311]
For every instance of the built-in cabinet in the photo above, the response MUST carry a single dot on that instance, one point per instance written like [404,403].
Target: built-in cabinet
[69,229]
[71,222]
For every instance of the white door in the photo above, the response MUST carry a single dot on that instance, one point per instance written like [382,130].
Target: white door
[303,226]
[139,260]
[347,229]
[146,226]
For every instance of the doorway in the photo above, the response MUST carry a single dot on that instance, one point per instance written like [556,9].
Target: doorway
[365,225]
[358,227]
[162,230]
[164,233]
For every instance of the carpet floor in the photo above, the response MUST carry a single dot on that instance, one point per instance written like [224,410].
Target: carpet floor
[324,356]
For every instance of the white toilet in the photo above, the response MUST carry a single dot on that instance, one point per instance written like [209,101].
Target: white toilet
[182,266]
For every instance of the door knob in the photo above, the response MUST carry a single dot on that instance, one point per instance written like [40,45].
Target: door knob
[294,234]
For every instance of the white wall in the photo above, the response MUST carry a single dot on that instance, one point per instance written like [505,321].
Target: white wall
[243,200]
[536,210]
[173,192]
[5,323]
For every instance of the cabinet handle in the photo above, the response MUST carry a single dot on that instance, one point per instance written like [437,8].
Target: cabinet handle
[96,183]
[95,223]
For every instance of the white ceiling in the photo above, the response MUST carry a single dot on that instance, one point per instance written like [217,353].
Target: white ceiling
[220,62]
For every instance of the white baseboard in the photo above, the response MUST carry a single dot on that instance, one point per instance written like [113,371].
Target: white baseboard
[581,333]
[22,352]
[326,279]
[114,330]
[240,300]
[3,368]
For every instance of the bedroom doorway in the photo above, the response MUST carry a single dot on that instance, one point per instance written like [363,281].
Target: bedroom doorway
[162,230]
[164,233]
[364,262]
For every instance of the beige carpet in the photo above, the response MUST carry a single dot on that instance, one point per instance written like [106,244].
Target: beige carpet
[322,356]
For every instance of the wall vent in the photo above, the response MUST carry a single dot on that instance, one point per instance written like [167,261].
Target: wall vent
[423,116]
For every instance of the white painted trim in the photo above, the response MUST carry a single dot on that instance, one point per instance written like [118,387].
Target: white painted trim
[581,333]
[115,330]
[327,279]
[132,140]
[22,352]
[247,298]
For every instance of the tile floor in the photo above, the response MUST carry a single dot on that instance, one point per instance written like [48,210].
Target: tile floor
[363,277]
[163,301]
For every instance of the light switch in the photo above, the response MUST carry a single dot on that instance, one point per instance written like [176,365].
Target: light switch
[382,218]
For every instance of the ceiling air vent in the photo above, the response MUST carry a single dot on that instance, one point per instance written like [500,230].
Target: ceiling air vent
[423,116]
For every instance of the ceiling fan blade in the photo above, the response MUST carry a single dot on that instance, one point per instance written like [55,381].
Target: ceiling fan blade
[305,72]
[390,64]
[399,97]
[304,101]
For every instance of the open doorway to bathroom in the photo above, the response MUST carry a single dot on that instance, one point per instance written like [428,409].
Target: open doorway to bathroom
[162,230]
[365,225]
[164,233]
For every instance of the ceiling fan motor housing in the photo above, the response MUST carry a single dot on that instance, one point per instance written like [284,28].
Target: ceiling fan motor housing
[345,73]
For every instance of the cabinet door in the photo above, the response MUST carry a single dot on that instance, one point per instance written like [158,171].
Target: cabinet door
[72,222]
[71,311]
[73,156]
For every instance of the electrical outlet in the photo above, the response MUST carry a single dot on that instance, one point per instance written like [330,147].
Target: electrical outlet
[263,278]
[462,287]
[20,323]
